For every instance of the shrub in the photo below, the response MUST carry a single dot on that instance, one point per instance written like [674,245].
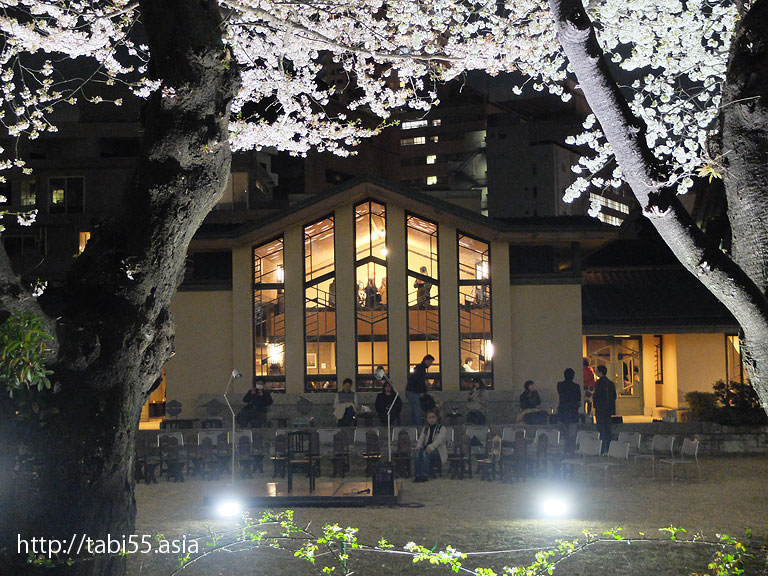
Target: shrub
[703,405]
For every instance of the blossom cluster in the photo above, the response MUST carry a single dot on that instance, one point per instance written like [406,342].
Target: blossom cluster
[323,75]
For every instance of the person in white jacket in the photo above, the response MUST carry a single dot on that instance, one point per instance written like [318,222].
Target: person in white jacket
[430,447]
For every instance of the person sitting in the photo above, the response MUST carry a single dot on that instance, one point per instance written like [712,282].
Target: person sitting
[476,402]
[345,404]
[384,400]
[468,365]
[431,448]
[530,406]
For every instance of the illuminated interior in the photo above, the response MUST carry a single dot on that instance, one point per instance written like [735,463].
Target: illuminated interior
[269,314]
[371,289]
[320,306]
[475,336]
[423,295]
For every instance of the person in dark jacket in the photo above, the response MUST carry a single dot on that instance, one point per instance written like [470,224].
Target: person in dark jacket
[604,403]
[569,394]
[384,400]
[416,388]
[257,401]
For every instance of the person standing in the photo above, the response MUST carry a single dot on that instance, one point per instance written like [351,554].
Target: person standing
[569,396]
[257,401]
[370,294]
[589,386]
[416,388]
[384,400]
[423,290]
[604,402]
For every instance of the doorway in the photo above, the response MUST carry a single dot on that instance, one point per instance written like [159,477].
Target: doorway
[621,355]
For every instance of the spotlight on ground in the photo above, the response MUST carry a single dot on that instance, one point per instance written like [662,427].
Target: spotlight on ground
[553,506]
[228,507]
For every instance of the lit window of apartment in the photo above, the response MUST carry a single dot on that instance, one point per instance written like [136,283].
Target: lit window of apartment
[28,193]
[608,219]
[431,159]
[431,180]
[66,195]
[413,141]
[414,124]
[434,139]
[83,240]
[608,203]
[437,122]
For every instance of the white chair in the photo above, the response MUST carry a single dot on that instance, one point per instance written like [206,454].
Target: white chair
[689,457]
[618,456]
[633,439]
[583,434]
[588,452]
[479,432]
[552,434]
[661,447]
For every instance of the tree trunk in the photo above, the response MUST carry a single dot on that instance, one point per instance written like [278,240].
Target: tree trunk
[115,331]
[738,282]
[744,121]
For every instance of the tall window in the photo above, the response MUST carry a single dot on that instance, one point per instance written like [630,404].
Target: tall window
[423,296]
[269,315]
[371,281]
[475,337]
[66,195]
[319,307]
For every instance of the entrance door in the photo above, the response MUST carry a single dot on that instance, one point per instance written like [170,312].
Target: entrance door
[621,356]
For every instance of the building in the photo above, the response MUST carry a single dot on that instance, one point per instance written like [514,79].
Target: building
[368,275]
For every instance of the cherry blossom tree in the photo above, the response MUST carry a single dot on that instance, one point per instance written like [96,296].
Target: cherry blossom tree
[242,74]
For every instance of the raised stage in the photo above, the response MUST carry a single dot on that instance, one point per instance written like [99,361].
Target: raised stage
[334,494]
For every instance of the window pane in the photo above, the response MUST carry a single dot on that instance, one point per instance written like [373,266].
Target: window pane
[269,315]
[320,306]
[371,288]
[423,294]
[475,335]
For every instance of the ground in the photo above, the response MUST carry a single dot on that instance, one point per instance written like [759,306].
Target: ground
[480,516]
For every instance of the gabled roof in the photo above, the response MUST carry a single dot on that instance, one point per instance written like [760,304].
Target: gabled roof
[566,230]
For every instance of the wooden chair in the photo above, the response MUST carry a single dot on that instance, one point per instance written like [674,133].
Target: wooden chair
[517,463]
[244,456]
[209,460]
[540,463]
[372,453]
[257,451]
[300,457]
[279,455]
[459,461]
[488,465]
[401,458]
[340,455]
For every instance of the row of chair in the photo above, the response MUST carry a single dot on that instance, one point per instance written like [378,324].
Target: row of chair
[662,453]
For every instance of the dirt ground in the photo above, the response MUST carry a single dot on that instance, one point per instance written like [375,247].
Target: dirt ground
[484,517]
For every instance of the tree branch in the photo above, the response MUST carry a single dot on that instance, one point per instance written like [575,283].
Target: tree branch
[645,175]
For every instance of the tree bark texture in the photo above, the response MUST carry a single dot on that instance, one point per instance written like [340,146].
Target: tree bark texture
[115,329]
[739,282]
